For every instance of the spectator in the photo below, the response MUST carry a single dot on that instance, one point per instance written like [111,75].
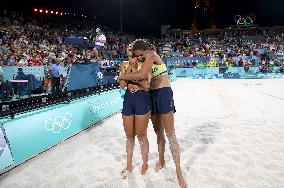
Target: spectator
[100,41]
[47,76]
[55,77]
[11,61]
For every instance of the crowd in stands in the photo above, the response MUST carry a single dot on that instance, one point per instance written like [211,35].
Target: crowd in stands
[230,47]
[38,40]
[33,40]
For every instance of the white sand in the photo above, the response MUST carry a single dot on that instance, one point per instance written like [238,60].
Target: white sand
[231,134]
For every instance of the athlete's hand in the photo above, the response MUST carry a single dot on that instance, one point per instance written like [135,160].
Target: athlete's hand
[132,88]
[132,61]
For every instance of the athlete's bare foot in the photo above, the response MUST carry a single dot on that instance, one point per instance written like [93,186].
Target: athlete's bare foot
[126,172]
[159,166]
[181,181]
[144,169]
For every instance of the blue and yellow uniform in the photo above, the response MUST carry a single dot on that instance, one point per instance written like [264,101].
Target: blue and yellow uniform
[159,70]
[138,103]
[162,98]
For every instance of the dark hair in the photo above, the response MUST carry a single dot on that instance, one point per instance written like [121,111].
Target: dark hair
[141,44]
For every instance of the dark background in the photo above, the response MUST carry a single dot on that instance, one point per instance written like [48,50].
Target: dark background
[146,16]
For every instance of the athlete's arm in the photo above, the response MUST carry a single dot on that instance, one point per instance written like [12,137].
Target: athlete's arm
[142,74]
[123,83]
[146,83]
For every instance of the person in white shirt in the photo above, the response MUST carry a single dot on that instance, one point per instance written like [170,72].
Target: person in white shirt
[23,61]
[100,41]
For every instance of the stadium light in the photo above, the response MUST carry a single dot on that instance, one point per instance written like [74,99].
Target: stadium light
[61,13]
[74,14]
[56,12]
[35,10]
[40,10]
[51,12]
[46,11]
[85,16]
[82,15]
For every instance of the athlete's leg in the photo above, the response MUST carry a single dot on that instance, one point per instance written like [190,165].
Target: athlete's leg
[161,141]
[168,123]
[128,124]
[141,124]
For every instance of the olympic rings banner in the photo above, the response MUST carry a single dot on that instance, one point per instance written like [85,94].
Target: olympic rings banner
[34,132]
[245,19]
[5,153]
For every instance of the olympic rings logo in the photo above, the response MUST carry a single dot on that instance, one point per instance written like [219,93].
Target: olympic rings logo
[245,20]
[58,123]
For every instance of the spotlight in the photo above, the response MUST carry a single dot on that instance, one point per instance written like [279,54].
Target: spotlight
[56,13]
[46,11]
[40,10]
[85,16]
[61,13]
[65,13]
[82,15]
[74,14]
[51,12]
[35,10]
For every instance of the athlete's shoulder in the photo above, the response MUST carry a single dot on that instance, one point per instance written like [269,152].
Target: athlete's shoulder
[151,54]
[156,58]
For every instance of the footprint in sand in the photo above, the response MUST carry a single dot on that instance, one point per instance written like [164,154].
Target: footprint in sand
[118,158]
[199,150]
[205,140]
